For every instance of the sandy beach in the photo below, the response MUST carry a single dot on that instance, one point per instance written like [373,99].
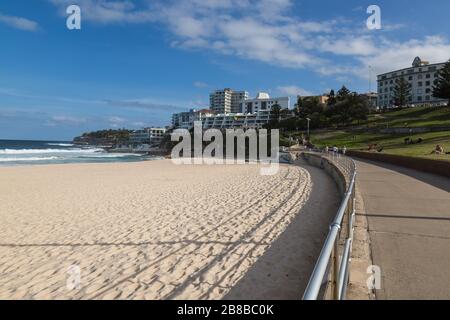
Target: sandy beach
[153,230]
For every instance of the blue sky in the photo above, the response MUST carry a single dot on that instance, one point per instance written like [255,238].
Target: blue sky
[134,63]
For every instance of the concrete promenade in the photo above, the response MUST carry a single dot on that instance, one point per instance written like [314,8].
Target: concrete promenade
[408,215]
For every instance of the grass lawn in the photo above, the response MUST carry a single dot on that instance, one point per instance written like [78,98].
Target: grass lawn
[411,117]
[391,144]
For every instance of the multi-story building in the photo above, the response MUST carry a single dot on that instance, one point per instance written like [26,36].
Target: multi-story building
[182,119]
[371,98]
[237,121]
[263,102]
[227,100]
[185,120]
[421,77]
[152,136]
[252,113]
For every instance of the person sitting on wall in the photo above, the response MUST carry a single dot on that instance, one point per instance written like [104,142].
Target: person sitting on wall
[438,150]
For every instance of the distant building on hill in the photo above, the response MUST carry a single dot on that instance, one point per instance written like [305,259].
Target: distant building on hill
[322,98]
[152,136]
[372,99]
[421,76]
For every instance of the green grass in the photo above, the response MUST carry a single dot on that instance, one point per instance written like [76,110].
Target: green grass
[391,144]
[410,117]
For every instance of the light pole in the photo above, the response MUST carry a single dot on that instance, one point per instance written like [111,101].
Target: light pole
[309,138]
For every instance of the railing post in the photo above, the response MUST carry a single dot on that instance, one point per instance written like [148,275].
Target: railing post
[336,269]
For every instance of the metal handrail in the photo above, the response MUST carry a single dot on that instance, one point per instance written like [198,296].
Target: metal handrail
[340,269]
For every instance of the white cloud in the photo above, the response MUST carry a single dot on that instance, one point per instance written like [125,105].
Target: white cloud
[116,120]
[107,11]
[201,85]
[294,91]
[19,23]
[67,120]
[268,31]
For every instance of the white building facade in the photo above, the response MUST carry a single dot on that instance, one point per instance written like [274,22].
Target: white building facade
[185,120]
[251,114]
[421,77]
[151,136]
[226,100]
[263,102]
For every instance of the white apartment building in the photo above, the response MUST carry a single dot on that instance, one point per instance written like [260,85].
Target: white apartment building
[252,114]
[147,136]
[263,102]
[239,120]
[226,100]
[185,120]
[421,76]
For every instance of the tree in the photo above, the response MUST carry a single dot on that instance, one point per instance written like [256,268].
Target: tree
[402,92]
[441,88]
[348,108]
[343,93]
[275,113]
[331,99]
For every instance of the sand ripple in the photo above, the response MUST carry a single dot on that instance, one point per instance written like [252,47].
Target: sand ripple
[139,231]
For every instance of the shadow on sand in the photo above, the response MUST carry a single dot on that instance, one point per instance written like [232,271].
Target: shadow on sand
[284,270]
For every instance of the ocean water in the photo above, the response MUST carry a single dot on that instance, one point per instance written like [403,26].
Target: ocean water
[19,152]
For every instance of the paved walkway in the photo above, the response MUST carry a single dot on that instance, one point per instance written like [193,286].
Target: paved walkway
[408,216]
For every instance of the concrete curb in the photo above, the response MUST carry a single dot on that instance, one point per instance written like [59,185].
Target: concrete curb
[361,255]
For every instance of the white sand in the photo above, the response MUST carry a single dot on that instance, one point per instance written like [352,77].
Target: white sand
[149,230]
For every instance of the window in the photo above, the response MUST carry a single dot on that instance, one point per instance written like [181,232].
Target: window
[410,78]
[419,98]
[420,84]
[419,76]
[428,83]
[428,76]
[427,98]
[428,90]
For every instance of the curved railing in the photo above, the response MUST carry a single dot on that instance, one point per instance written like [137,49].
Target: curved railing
[333,264]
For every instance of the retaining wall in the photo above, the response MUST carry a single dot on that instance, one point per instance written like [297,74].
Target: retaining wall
[439,167]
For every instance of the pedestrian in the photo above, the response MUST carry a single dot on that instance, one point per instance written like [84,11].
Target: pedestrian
[344,150]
